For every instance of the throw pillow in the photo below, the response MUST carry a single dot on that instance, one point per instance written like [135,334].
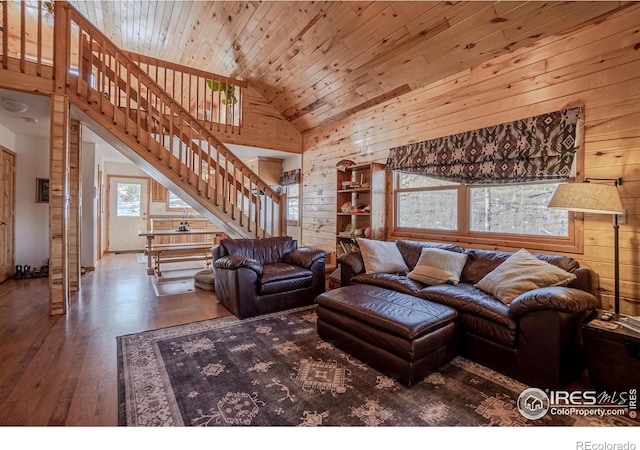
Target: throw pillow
[438,266]
[519,273]
[381,256]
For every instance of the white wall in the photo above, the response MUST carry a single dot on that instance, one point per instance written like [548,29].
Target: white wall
[32,219]
[7,139]
[89,231]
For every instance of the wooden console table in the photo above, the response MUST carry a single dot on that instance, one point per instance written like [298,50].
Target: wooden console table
[190,250]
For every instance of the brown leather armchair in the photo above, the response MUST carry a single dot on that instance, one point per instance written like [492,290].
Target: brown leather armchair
[259,276]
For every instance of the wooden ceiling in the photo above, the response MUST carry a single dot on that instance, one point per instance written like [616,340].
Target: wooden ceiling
[318,62]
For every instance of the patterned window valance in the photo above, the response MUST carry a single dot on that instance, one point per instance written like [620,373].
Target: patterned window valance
[290,177]
[533,149]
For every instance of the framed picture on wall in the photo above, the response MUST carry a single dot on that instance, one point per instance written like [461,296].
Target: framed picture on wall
[42,190]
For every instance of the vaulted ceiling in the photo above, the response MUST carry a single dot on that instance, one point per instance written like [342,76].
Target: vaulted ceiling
[317,62]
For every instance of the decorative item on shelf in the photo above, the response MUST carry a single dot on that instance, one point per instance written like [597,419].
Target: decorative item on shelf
[358,232]
[360,209]
[346,185]
[346,207]
[367,209]
[184,226]
[364,186]
[348,230]
[344,164]
[367,232]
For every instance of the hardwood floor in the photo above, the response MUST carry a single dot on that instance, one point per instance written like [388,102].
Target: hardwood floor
[62,370]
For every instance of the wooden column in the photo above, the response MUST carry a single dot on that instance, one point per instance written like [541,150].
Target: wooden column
[75,199]
[58,205]
[59,168]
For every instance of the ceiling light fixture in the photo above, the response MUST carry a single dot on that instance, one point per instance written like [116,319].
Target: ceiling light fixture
[13,106]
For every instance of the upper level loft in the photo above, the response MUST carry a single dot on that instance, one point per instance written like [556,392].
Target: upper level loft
[32,36]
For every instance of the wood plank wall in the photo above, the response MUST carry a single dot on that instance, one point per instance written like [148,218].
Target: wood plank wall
[58,208]
[596,65]
[263,126]
[75,200]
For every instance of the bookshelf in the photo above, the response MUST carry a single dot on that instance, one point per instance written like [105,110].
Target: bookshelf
[360,208]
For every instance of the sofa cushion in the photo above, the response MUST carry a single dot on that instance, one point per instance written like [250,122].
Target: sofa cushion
[411,250]
[281,277]
[265,251]
[392,281]
[438,266]
[522,272]
[469,299]
[481,262]
[381,256]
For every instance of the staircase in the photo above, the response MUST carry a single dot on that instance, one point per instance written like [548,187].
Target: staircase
[118,99]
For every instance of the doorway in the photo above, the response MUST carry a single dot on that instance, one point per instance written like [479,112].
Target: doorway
[127,210]
[7,212]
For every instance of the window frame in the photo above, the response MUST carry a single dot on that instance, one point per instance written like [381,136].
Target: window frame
[290,222]
[169,208]
[572,243]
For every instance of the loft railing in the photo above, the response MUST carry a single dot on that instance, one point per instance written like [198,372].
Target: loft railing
[27,46]
[112,89]
[27,37]
[214,100]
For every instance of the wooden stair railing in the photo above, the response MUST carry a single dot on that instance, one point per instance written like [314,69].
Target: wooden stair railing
[120,96]
[116,93]
[212,99]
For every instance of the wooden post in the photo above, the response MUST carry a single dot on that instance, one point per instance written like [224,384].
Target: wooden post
[61,45]
[59,167]
[75,202]
[282,225]
[58,205]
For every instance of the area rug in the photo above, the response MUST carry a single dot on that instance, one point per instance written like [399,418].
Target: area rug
[274,370]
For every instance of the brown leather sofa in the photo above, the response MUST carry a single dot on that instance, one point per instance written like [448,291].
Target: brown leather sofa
[259,276]
[536,339]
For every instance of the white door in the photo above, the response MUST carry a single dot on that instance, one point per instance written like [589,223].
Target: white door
[127,213]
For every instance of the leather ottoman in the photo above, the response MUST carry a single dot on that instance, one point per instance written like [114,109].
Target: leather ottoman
[401,335]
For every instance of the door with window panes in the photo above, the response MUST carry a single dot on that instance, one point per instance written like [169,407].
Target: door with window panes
[127,213]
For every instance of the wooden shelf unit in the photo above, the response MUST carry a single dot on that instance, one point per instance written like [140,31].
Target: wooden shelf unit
[372,175]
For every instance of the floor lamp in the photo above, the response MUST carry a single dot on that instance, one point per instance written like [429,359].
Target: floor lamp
[594,198]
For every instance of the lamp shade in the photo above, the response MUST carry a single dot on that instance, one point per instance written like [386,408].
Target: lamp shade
[587,197]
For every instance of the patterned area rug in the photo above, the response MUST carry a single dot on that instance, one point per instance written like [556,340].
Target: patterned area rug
[274,370]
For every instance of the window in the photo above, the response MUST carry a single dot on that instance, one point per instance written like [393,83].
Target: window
[128,200]
[515,215]
[519,209]
[176,203]
[293,204]
[425,202]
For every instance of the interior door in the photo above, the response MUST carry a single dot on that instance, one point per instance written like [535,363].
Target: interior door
[7,208]
[128,203]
